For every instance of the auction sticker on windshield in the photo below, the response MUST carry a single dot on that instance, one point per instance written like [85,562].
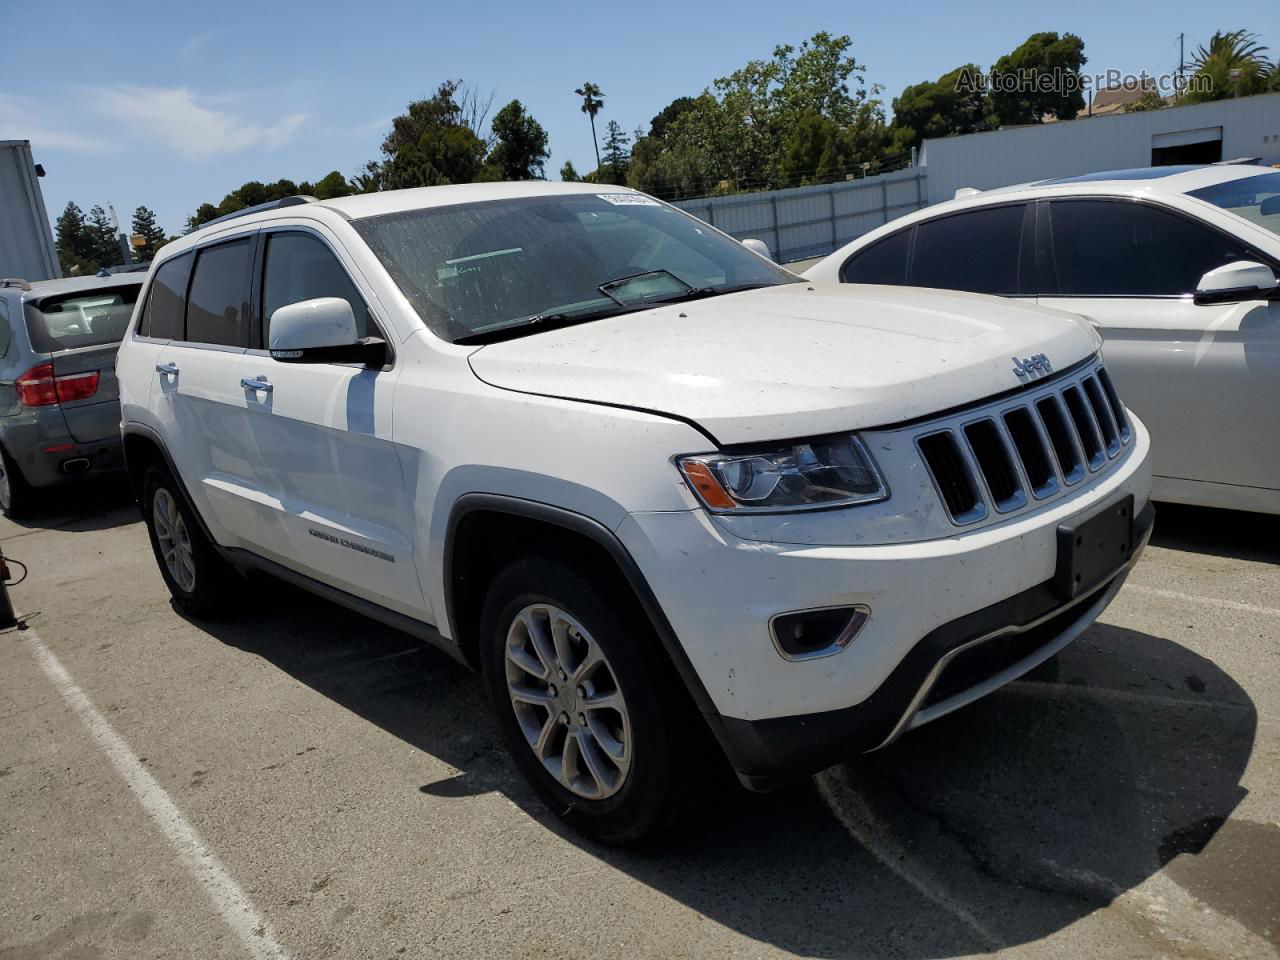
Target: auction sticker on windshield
[628,199]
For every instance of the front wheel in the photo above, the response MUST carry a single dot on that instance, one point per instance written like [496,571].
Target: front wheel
[198,578]
[586,702]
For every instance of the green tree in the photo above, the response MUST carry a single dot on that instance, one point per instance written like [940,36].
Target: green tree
[153,236]
[569,174]
[592,103]
[432,143]
[520,151]
[103,243]
[617,156]
[76,254]
[954,103]
[672,112]
[332,184]
[1040,79]
[1150,100]
[1232,65]
[744,134]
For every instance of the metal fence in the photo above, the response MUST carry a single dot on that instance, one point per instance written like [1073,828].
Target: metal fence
[802,222]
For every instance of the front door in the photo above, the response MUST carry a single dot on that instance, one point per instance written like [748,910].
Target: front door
[323,436]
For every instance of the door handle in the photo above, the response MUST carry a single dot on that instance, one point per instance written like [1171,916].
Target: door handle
[256,383]
[168,369]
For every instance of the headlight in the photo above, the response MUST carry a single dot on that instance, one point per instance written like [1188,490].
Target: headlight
[825,472]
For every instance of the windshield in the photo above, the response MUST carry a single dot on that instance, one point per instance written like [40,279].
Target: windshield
[506,267]
[81,319]
[1257,199]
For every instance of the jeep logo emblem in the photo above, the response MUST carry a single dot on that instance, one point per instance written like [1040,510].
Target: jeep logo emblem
[1032,368]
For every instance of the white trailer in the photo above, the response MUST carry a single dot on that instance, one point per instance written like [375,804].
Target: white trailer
[26,242]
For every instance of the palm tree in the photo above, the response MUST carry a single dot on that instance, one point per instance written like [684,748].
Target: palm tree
[592,101]
[1233,63]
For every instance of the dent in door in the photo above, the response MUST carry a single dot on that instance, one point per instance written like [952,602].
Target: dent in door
[333,477]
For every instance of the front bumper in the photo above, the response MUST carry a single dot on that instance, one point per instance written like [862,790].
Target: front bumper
[952,666]
[929,600]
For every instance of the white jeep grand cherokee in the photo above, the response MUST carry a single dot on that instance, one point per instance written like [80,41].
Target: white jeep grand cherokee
[661,492]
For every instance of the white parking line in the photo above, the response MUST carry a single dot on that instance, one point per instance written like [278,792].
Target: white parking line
[236,909]
[1132,587]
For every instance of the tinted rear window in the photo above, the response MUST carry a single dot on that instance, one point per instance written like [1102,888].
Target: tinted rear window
[216,307]
[885,261]
[976,251]
[167,300]
[87,319]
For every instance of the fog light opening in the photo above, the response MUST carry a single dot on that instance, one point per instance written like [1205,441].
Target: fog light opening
[809,634]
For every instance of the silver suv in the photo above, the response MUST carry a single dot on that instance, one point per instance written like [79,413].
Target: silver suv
[59,406]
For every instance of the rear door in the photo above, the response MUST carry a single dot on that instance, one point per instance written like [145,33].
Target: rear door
[81,333]
[339,509]
[1200,377]
[198,398]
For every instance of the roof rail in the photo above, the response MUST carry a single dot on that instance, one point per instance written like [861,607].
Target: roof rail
[15,282]
[259,208]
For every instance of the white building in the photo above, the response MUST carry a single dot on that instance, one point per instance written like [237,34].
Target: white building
[1201,133]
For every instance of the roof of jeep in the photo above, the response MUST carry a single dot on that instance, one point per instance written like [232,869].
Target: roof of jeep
[364,205]
[395,201]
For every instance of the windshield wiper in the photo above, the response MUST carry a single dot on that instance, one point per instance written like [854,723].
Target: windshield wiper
[701,293]
[539,322]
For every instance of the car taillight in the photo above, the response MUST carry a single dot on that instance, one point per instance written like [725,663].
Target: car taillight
[38,387]
[35,387]
[76,386]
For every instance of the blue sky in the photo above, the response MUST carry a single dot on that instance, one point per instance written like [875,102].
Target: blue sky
[171,104]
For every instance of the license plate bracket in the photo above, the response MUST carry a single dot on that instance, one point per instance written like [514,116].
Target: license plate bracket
[1091,550]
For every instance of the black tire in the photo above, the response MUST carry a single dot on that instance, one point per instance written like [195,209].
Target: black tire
[668,755]
[16,494]
[212,591]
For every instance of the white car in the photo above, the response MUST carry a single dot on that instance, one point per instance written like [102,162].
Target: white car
[1176,266]
[665,495]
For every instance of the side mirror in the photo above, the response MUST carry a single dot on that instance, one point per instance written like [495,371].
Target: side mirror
[1236,283]
[758,246]
[322,330]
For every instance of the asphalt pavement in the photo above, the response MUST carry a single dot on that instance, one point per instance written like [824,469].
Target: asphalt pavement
[296,781]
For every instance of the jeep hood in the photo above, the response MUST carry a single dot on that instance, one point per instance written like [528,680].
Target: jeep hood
[793,360]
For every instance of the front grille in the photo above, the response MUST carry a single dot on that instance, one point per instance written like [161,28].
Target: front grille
[1002,458]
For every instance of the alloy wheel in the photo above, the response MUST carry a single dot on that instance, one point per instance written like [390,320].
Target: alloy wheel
[174,540]
[567,701]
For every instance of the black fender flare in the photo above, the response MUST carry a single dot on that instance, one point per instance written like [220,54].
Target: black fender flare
[593,530]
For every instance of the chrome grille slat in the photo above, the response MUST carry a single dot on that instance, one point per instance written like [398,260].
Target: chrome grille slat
[1001,458]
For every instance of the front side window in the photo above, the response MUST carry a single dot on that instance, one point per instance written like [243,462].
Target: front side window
[167,301]
[885,261]
[89,319]
[1121,248]
[505,268]
[301,267]
[1257,199]
[978,251]
[216,307]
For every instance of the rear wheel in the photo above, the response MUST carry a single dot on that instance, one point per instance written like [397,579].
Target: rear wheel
[586,702]
[197,576]
[15,493]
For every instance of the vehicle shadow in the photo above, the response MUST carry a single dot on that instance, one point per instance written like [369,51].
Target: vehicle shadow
[995,827]
[99,505]
[1220,533]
